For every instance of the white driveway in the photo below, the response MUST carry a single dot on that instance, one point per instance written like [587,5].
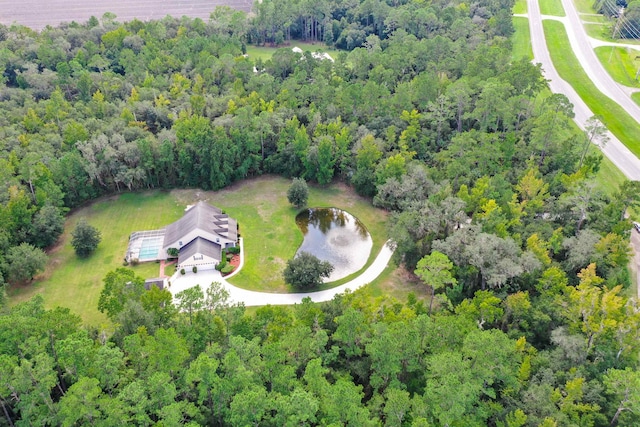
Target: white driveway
[251,298]
[614,150]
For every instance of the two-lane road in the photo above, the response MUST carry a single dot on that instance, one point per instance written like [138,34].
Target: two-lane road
[614,149]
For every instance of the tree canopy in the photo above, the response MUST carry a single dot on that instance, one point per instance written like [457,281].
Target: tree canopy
[493,202]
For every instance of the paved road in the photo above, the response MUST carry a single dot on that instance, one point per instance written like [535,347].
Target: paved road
[37,14]
[251,298]
[614,150]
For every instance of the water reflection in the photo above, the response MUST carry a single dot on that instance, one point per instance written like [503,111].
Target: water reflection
[336,236]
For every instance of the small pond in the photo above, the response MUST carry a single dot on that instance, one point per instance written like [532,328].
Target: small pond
[336,236]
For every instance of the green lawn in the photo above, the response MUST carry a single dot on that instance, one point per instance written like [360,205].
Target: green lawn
[609,177]
[267,223]
[262,210]
[623,126]
[551,7]
[636,97]
[620,63]
[520,7]
[521,39]
[76,283]
[265,52]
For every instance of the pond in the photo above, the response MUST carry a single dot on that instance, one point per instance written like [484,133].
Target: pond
[336,236]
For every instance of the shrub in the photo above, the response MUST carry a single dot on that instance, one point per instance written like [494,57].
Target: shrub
[182,271]
[194,269]
[135,262]
[227,269]
[306,271]
[234,250]
[125,262]
[173,252]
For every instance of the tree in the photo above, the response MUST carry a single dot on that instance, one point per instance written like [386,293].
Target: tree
[85,239]
[24,262]
[48,225]
[298,192]
[435,271]
[306,271]
[120,286]
[624,385]
[594,132]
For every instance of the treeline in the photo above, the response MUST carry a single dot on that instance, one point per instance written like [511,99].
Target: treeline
[493,200]
[353,361]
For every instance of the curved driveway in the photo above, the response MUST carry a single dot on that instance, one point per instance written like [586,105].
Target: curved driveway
[614,149]
[250,298]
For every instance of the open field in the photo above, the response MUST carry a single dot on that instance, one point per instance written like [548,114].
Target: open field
[551,7]
[615,118]
[267,222]
[620,63]
[521,39]
[37,14]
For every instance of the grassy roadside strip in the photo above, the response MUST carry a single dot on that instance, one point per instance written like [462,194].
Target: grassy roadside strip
[620,63]
[614,117]
[521,39]
[520,7]
[584,6]
[551,7]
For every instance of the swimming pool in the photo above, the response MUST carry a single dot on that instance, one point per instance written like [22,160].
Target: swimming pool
[150,248]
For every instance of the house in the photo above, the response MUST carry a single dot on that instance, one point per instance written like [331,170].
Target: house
[198,238]
[200,235]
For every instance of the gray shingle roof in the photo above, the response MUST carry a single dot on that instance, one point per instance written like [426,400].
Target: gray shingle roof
[203,217]
[199,246]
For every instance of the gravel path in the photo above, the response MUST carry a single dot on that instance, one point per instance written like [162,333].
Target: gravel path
[37,14]
[614,149]
[252,298]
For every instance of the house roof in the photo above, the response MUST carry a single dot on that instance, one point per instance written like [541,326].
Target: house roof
[202,246]
[208,220]
[157,281]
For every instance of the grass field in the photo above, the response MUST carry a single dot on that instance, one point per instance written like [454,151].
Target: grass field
[266,52]
[76,283]
[620,63]
[521,39]
[267,223]
[551,7]
[615,118]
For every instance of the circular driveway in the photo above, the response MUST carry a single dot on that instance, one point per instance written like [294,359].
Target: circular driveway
[252,298]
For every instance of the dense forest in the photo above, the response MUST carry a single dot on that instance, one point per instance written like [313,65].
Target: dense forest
[522,318]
